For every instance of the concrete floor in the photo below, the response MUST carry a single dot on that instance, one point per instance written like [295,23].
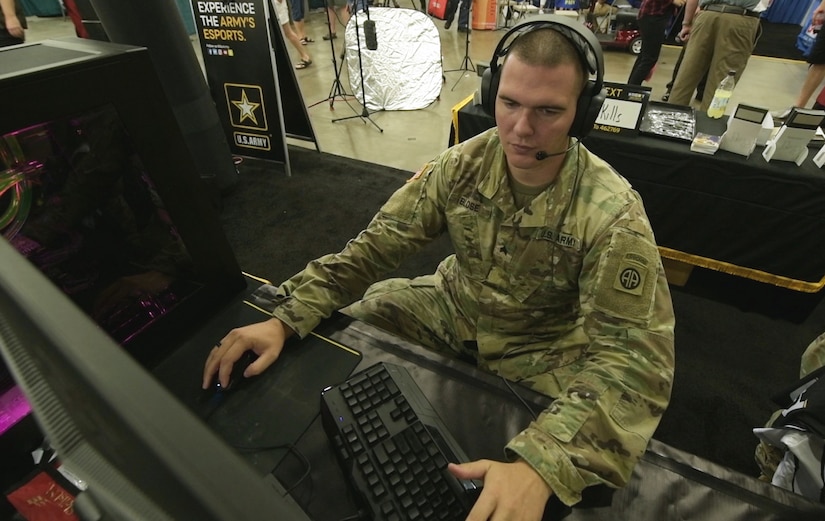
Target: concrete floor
[410,138]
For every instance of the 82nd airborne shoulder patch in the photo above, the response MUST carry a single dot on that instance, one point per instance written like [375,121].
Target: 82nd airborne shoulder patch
[633,270]
[628,278]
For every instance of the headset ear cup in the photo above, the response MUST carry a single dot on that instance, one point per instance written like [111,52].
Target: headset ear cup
[587,111]
[489,91]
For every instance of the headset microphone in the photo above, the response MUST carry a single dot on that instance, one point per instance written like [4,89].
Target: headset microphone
[541,154]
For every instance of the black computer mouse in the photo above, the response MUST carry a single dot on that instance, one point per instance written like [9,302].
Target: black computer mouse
[236,377]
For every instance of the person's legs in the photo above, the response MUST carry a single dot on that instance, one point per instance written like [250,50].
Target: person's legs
[334,7]
[306,59]
[815,75]
[698,54]
[732,50]
[464,15]
[653,36]
[298,21]
[816,71]
[417,311]
[449,12]
[282,15]
[300,30]
[344,15]
[678,64]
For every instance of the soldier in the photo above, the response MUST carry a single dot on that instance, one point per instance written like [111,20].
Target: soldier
[556,282]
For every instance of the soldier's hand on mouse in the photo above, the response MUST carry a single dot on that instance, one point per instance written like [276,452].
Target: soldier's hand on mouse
[265,339]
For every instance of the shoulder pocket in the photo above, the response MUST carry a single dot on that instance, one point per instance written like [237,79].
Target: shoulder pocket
[403,205]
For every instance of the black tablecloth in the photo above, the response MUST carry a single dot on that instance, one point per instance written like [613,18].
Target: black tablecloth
[744,216]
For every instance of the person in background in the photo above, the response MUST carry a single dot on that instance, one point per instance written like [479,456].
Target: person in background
[721,38]
[816,66]
[556,283]
[77,18]
[282,14]
[337,11]
[598,16]
[298,13]
[654,17]
[463,14]
[12,23]
[700,87]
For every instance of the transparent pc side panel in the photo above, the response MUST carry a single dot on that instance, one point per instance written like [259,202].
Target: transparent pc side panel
[77,202]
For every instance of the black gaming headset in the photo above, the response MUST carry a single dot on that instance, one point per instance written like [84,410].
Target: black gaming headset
[589,51]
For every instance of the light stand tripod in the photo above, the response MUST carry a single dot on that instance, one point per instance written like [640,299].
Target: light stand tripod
[466,63]
[365,114]
[337,89]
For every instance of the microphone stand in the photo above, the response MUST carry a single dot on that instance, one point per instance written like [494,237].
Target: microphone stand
[337,89]
[365,114]
[466,63]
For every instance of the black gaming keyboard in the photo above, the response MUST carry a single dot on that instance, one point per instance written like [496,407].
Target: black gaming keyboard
[394,448]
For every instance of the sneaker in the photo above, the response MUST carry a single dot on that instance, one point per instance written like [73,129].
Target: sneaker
[328,37]
[448,24]
[781,114]
[463,29]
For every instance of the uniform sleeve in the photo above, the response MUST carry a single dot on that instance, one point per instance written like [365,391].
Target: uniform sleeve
[598,429]
[411,217]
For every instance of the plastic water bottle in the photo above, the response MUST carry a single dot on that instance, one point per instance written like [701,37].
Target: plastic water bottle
[722,95]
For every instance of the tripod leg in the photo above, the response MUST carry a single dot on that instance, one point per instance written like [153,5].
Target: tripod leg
[337,89]
[466,62]
[365,114]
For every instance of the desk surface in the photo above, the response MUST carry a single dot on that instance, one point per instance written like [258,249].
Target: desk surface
[743,216]
[667,484]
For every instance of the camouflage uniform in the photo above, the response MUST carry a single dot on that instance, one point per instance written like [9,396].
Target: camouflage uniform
[569,298]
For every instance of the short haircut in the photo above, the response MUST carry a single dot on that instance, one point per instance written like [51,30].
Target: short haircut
[548,47]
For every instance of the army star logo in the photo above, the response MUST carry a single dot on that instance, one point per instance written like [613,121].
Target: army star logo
[247,108]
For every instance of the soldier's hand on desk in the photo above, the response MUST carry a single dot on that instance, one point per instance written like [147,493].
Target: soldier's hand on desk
[265,339]
[512,491]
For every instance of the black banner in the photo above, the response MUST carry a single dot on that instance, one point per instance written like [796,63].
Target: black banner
[239,70]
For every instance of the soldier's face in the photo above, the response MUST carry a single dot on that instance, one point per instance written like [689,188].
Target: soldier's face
[535,107]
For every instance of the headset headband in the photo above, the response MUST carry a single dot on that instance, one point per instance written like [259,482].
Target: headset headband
[584,41]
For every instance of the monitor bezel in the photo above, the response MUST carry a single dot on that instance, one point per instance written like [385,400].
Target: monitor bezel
[142,452]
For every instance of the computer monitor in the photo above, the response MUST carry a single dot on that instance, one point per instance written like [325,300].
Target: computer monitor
[100,192]
[143,454]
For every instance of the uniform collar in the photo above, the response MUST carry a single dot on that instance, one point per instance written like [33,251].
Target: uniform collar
[548,206]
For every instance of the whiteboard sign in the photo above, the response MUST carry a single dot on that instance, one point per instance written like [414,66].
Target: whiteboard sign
[623,108]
